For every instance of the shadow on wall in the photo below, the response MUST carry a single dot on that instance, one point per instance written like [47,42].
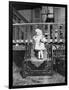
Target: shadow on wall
[18,57]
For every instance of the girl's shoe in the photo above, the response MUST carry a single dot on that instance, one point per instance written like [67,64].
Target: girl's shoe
[41,58]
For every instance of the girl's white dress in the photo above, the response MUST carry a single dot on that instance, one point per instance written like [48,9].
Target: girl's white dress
[39,42]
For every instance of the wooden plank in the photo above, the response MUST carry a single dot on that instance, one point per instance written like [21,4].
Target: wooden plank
[19,24]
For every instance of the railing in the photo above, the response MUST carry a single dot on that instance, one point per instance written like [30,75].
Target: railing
[23,32]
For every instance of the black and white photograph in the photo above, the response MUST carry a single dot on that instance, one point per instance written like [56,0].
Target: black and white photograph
[37,44]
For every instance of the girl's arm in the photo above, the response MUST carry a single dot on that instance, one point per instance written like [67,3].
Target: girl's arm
[43,39]
[34,37]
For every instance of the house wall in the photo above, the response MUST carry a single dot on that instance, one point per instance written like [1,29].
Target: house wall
[26,14]
[59,15]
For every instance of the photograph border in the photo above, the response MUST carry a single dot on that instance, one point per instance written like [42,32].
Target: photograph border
[11,49]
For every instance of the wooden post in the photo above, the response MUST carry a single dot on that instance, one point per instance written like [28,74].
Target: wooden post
[53,33]
[49,33]
[15,33]
[20,28]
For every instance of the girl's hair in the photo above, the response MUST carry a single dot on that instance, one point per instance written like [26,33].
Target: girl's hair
[38,31]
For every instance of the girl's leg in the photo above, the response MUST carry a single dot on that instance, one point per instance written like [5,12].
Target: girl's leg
[41,53]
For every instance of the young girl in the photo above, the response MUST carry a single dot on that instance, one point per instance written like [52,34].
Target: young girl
[39,43]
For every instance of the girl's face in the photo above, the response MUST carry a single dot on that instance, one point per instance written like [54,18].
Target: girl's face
[38,32]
